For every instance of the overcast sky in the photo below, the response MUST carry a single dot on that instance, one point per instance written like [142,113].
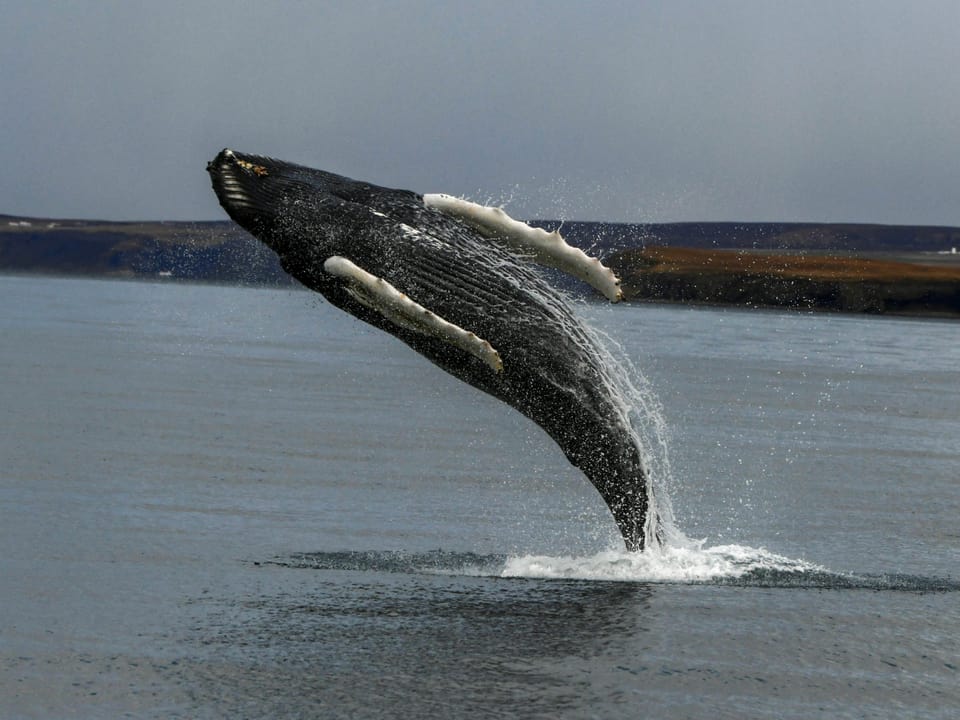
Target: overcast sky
[631,111]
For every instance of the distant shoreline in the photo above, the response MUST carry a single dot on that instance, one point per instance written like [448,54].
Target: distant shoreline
[864,283]
[864,269]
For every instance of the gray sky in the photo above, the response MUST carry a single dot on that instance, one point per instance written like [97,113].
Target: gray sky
[632,111]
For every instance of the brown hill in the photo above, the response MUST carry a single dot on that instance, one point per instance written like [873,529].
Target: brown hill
[822,282]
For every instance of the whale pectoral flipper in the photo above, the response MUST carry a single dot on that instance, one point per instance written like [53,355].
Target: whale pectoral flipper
[546,248]
[382,297]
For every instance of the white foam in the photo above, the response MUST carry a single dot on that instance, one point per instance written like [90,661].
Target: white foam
[668,564]
[642,412]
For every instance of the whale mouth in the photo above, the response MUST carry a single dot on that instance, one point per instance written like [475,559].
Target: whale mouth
[259,192]
[234,181]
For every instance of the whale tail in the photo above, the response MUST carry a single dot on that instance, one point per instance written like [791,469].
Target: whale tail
[602,443]
[626,492]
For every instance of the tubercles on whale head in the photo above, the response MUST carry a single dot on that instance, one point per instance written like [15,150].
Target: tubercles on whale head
[226,172]
[278,201]
[253,190]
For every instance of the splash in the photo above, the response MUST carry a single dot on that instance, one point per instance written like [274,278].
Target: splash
[642,412]
[726,565]
[729,565]
[682,565]
[692,563]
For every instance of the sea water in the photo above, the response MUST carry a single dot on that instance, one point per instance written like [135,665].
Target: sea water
[233,502]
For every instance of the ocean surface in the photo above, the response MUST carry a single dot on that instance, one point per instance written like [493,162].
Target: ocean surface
[221,502]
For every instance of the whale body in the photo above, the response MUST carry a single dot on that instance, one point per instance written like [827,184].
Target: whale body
[455,282]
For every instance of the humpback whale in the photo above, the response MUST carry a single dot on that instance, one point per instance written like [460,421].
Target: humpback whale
[455,282]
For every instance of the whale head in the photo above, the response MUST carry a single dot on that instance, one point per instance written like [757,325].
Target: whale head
[274,200]
[257,191]
[281,203]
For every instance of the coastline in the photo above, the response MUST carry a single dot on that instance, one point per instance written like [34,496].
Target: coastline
[868,273]
[921,286]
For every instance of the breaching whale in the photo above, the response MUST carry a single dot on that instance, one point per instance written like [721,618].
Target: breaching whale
[454,281]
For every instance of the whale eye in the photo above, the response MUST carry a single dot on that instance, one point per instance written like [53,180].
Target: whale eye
[256,169]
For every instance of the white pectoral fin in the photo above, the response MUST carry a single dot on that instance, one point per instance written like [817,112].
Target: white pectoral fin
[379,295]
[547,248]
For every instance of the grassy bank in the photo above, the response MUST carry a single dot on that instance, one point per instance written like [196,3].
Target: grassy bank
[928,285]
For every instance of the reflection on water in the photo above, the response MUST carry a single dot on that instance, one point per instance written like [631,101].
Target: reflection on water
[398,645]
[386,634]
